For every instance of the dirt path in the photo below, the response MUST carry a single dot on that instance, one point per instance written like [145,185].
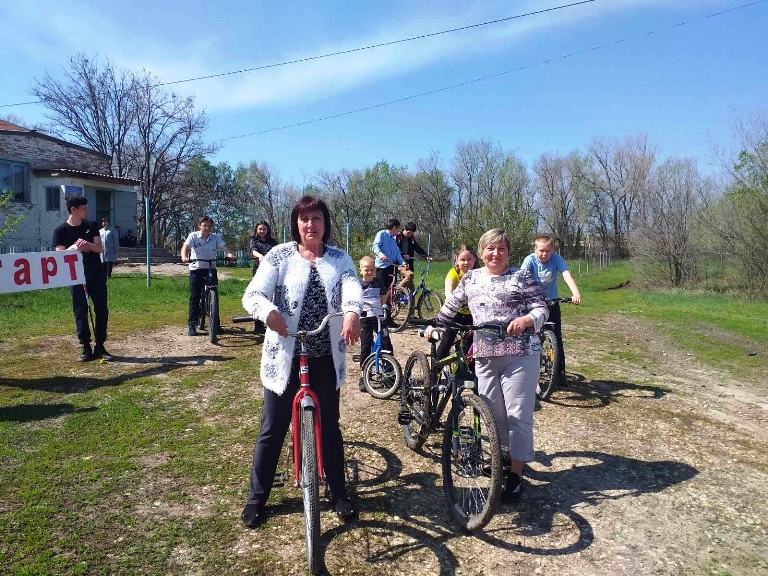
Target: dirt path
[656,466]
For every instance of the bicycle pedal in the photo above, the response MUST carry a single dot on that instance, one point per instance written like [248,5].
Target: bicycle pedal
[404,417]
[279,480]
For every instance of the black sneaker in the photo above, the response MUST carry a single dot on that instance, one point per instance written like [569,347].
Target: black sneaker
[87,354]
[192,331]
[512,489]
[344,510]
[361,385]
[100,352]
[252,515]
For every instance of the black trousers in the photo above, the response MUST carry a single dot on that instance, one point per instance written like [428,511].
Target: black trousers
[96,282]
[275,419]
[556,319]
[196,283]
[449,335]
[108,268]
[386,275]
[368,326]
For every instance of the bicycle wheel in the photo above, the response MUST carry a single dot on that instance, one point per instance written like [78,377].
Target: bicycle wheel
[429,304]
[310,489]
[415,400]
[549,362]
[401,307]
[382,379]
[203,308]
[471,458]
[213,316]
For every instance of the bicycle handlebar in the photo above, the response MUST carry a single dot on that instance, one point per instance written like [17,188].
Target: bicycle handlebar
[211,260]
[320,328]
[494,328]
[551,301]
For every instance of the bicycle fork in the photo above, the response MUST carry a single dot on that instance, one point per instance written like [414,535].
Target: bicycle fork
[305,398]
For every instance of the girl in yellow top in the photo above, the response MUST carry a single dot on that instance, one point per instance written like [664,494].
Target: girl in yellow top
[464,259]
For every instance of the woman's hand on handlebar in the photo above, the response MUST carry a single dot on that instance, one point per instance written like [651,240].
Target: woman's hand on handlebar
[518,325]
[276,323]
[350,330]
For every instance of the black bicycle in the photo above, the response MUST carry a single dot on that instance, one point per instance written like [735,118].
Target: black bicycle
[549,374]
[209,300]
[424,301]
[471,449]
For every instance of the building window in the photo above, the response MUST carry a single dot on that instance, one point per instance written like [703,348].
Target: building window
[13,178]
[53,199]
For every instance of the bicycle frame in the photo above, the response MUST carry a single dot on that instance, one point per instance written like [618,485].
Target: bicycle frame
[305,397]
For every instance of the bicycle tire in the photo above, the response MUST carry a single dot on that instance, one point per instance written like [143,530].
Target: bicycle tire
[213,316]
[549,362]
[471,458]
[401,308]
[416,400]
[429,304]
[382,381]
[310,489]
[203,309]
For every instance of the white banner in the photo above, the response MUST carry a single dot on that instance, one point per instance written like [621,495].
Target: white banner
[37,270]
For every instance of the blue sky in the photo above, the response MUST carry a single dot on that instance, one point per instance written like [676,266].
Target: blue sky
[683,87]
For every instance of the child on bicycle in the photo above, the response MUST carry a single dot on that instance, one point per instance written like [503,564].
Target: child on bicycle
[203,245]
[374,298]
[464,259]
[544,264]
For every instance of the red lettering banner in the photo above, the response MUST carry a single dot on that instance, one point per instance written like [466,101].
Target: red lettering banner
[38,270]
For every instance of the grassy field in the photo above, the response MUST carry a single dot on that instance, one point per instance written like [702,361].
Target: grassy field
[104,466]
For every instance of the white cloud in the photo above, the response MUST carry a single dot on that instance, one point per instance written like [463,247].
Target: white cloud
[68,28]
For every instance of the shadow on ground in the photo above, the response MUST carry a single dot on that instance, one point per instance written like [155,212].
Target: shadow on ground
[583,393]
[83,383]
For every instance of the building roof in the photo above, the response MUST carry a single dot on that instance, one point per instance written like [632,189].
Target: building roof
[12,127]
[85,175]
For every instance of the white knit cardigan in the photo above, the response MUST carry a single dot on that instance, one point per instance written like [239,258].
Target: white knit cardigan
[280,284]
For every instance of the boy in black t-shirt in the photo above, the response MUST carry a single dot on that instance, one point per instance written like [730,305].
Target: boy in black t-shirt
[374,295]
[79,233]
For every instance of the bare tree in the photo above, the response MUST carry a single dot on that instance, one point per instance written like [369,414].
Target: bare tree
[95,106]
[668,216]
[562,199]
[149,134]
[740,216]
[428,195]
[491,190]
[616,177]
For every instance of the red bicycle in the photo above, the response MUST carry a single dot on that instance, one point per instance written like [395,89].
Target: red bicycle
[307,447]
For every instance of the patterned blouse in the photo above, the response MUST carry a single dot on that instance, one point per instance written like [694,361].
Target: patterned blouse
[313,310]
[500,299]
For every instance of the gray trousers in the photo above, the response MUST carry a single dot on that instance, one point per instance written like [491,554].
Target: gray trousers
[509,383]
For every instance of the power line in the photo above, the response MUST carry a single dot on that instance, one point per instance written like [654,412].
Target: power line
[381,45]
[484,78]
[352,50]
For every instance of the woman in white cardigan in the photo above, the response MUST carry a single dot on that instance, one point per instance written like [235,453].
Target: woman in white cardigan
[296,285]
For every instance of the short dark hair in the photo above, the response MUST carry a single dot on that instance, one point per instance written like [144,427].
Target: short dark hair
[105,219]
[204,218]
[75,201]
[392,223]
[410,226]
[310,204]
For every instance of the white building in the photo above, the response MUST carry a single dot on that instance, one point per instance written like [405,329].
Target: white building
[41,171]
